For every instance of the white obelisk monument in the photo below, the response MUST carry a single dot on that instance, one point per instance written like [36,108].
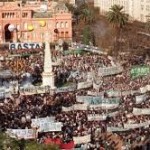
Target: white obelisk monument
[48,75]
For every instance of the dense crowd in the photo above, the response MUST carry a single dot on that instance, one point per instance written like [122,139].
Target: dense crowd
[17,111]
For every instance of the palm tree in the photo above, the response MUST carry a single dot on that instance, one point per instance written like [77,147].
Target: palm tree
[118,19]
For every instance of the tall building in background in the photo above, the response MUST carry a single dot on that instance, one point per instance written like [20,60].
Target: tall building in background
[33,19]
[137,9]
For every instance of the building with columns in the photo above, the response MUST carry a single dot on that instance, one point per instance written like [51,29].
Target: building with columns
[33,19]
[137,9]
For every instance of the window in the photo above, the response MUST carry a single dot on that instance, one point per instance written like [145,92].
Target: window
[142,7]
[25,26]
[66,24]
[57,25]
[147,7]
[62,34]
[62,25]
[142,17]
[66,34]
[24,15]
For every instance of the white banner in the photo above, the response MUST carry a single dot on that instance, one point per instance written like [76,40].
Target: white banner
[97,100]
[110,70]
[21,133]
[113,93]
[75,107]
[5,94]
[49,126]
[66,89]
[141,98]
[137,125]
[116,129]
[37,121]
[141,111]
[46,124]
[35,90]
[96,117]
[95,93]
[84,85]
[113,114]
[82,139]
[17,46]
[103,106]
[145,89]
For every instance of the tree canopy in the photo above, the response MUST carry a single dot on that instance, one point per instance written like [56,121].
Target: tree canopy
[117,17]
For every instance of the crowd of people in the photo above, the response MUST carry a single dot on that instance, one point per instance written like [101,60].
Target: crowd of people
[17,111]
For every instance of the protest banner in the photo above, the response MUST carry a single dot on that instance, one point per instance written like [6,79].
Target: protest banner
[84,85]
[141,111]
[105,71]
[112,93]
[92,93]
[137,71]
[75,107]
[66,89]
[49,126]
[21,133]
[4,94]
[88,99]
[145,89]
[35,90]
[17,46]
[95,100]
[37,121]
[139,99]
[136,125]
[103,106]
[113,114]
[116,129]
[96,117]
[82,139]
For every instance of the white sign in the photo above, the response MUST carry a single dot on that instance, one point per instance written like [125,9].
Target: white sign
[17,46]
[37,121]
[92,93]
[96,117]
[145,89]
[21,133]
[35,90]
[110,70]
[137,125]
[84,85]
[141,98]
[141,111]
[49,126]
[75,107]
[82,139]
[116,129]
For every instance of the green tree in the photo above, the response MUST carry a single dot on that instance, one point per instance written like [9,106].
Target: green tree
[7,142]
[75,11]
[118,19]
[87,35]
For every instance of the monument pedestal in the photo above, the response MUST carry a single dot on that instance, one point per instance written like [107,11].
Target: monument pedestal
[48,79]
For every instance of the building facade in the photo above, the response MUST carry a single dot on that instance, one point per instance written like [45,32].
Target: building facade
[137,9]
[31,21]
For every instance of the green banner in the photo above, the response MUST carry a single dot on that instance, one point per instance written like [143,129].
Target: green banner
[140,71]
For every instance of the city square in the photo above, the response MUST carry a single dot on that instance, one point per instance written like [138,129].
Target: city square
[60,90]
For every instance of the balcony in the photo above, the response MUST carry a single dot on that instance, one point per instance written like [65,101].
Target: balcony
[42,14]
